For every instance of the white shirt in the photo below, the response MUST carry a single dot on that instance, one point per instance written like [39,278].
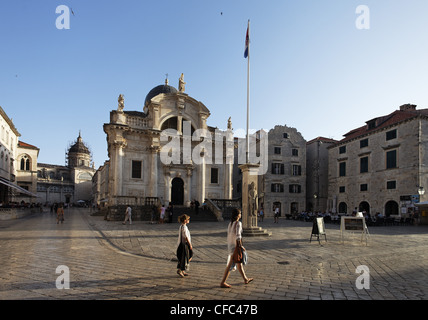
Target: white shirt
[185,233]
[129,210]
[234,232]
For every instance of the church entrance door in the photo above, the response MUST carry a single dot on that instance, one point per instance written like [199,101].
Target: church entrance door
[177,191]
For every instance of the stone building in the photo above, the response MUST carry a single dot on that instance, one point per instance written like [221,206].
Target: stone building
[156,153]
[381,166]
[317,173]
[71,183]
[10,162]
[284,184]
[26,171]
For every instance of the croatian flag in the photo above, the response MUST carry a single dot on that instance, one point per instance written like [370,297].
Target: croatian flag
[247,42]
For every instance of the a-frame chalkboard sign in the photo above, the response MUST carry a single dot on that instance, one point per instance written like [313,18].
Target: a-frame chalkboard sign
[318,229]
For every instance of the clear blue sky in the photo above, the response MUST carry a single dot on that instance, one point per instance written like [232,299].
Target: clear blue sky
[311,68]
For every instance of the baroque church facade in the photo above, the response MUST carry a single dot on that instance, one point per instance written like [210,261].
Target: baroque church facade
[164,153]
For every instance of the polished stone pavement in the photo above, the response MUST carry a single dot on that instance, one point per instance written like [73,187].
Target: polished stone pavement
[107,260]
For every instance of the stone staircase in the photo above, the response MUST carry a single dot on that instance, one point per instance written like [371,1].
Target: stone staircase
[205,215]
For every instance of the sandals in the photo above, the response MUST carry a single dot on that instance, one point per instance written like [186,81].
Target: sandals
[248,280]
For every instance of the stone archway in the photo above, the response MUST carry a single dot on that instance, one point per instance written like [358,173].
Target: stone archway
[391,208]
[364,206]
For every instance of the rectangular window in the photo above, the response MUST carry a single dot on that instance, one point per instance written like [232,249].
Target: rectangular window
[391,184]
[363,187]
[295,188]
[391,159]
[136,169]
[342,189]
[391,134]
[364,164]
[342,149]
[277,150]
[295,152]
[364,143]
[297,170]
[214,175]
[277,168]
[276,187]
[342,169]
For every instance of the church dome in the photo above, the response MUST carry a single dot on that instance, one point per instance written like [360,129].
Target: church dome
[79,147]
[163,88]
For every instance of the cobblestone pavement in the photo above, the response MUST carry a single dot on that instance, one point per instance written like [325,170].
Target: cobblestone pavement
[108,260]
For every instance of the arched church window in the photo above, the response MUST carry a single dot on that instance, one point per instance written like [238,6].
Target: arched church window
[170,123]
[25,163]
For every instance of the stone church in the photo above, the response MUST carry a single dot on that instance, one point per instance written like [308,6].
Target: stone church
[148,158]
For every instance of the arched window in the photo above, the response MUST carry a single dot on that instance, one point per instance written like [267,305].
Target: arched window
[25,163]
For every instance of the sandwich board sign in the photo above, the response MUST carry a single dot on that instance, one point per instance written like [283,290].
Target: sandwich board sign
[318,229]
[354,224]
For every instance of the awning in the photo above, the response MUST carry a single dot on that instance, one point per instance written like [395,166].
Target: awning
[14,186]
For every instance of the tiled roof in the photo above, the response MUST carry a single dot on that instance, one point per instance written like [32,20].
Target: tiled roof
[26,145]
[384,122]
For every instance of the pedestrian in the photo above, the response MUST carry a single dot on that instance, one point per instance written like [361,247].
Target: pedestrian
[170,211]
[128,215]
[276,215]
[60,214]
[234,238]
[154,214]
[197,206]
[184,246]
[162,214]
[261,215]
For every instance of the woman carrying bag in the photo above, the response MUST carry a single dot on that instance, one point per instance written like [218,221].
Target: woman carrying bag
[236,251]
[184,246]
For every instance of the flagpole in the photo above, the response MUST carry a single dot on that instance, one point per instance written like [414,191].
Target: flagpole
[248,95]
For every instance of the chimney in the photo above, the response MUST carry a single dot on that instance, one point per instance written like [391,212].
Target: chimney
[408,106]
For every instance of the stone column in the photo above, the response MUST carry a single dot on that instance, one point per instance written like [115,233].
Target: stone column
[189,186]
[167,197]
[119,145]
[249,200]
[154,171]
[202,171]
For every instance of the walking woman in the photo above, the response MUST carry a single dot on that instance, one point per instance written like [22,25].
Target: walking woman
[184,246]
[60,214]
[234,238]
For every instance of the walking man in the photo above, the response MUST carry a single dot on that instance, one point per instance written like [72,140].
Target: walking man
[128,215]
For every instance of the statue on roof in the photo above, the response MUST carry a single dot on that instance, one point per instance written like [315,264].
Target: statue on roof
[181,83]
[121,103]
[229,123]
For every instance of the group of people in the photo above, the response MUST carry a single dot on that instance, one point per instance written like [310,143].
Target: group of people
[234,242]
[185,248]
[164,214]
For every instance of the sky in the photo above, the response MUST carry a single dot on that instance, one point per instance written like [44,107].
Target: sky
[319,66]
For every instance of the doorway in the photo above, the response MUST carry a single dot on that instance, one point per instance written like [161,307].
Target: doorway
[177,192]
